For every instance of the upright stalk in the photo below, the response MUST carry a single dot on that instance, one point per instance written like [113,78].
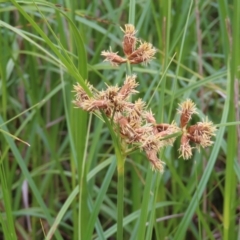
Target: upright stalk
[120,193]
[229,209]
[120,155]
[128,68]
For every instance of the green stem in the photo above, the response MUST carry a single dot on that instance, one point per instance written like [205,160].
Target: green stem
[128,68]
[229,208]
[144,208]
[132,8]
[120,195]
[120,169]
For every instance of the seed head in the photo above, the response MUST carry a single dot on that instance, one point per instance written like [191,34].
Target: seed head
[93,104]
[157,164]
[135,112]
[202,132]
[126,130]
[148,115]
[129,39]
[185,148]
[80,94]
[143,54]
[129,86]
[186,110]
[110,93]
[113,58]
[164,130]
[151,142]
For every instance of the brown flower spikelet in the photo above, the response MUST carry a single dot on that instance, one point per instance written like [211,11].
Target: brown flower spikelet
[201,133]
[113,58]
[129,86]
[165,129]
[134,124]
[149,117]
[129,39]
[186,110]
[138,126]
[157,164]
[185,148]
[143,54]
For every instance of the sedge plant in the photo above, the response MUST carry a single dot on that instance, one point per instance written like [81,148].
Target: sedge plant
[133,127]
[137,127]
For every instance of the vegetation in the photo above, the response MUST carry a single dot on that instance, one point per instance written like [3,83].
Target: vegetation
[67,173]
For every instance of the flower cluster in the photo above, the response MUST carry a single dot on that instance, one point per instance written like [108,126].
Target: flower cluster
[134,124]
[142,54]
[137,126]
[198,134]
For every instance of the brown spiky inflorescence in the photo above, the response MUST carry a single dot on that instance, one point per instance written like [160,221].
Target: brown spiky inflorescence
[133,123]
[144,53]
[129,39]
[199,134]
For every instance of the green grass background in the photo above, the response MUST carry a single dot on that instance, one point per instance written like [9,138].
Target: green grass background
[66,184]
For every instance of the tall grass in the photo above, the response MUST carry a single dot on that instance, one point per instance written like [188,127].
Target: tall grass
[67,185]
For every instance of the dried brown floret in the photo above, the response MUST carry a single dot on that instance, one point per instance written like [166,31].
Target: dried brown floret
[151,142]
[143,54]
[201,133]
[125,128]
[135,112]
[157,164]
[129,39]
[129,86]
[80,93]
[185,148]
[186,110]
[93,104]
[165,130]
[110,93]
[113,58]
[148,115]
